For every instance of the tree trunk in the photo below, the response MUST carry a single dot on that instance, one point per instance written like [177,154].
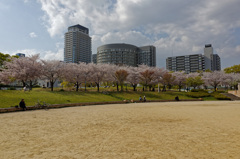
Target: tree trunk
[169,86]
[117,87]
[52,83]
[121,87]
[97,86]
[30,85]
[85,86]
[180,88]
[77,87]
[134,87]
[159,89]
[24,84]
[236,86]
[164,88]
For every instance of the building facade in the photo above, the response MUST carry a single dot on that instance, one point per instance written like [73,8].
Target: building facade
[147,55]
[20,54]
[216,62]
[187,63]
[195,62]
[126,54]
[208,52]
[77,45]
[94,58]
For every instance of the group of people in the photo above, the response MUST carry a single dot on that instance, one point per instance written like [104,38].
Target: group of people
[144,99]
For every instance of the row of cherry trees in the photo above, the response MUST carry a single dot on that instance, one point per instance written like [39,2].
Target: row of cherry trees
[29,69]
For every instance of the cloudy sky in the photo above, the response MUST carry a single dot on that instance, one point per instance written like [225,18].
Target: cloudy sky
[175,27]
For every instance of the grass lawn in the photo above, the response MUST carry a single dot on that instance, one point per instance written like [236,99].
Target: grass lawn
[9,98]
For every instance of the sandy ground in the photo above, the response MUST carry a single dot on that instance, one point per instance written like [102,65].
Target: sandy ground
[181,130]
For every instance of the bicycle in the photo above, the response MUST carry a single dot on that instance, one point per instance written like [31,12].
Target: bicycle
[42,105]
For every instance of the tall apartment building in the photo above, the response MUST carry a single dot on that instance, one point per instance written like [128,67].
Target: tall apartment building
[195,62]
[147,55]
[216,62]
[77,45]
[208,52]
[187,63]
[94,58]
[126,54]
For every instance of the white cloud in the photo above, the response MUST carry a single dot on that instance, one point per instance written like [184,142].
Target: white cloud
[173,27]
[132,37]
[44,54]
[4,6]
[33,35]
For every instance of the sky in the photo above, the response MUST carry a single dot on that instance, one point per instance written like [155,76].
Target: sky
[174,27]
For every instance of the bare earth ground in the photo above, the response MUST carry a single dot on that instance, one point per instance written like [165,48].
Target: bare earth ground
[209,130]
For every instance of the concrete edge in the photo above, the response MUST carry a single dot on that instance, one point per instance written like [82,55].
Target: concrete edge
[54,106]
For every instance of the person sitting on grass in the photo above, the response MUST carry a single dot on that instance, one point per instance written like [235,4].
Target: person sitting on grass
[177,98]
[22,105]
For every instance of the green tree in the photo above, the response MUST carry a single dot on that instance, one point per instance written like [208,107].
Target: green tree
[195,81]
[5,57]
[232,69]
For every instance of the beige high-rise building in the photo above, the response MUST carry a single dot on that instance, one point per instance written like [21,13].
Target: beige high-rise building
[77,45]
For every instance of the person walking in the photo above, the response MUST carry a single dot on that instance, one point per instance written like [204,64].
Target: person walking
[140,99]
[22,105]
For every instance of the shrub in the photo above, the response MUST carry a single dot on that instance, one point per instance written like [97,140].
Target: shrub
[221,91]
[12,88]
[220,96]
[61,90]
[198,90]
[198,94]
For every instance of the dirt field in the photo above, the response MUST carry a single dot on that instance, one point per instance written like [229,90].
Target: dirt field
[207,130]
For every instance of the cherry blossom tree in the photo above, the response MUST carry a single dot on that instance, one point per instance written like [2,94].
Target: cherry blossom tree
[167,80]
[52,71]
[146,75]
[73,73]
[111,74]
[121,76]
[158,76]
[5,77]
[133,77]
[25,70]
[232,79]
[180,79]
[99,73]
[87,69]
[213,79]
